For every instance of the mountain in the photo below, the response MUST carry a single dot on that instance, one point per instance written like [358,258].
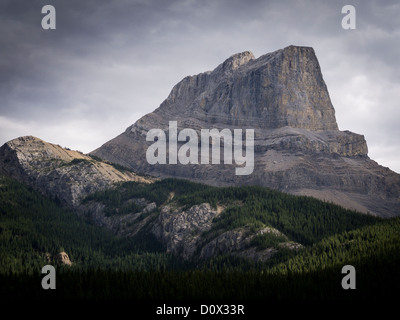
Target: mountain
[62,174]
[177,215]
[140,237]
[194,222]
[298,147]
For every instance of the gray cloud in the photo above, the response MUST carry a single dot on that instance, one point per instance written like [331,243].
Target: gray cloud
[110,62]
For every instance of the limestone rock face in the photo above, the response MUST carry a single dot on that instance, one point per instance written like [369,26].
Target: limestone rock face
[123,225]
[298,147]
[180,230]
[237,242]
[60,173]
[279,89]
[182,233]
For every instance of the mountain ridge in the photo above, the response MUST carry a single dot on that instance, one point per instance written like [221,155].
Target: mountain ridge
[298,147]
[222,241]
[63,174]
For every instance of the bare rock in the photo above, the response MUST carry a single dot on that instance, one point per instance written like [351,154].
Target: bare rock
[62,258]
[238,242]
[182,233]
[180,230]
[124,225]
[60,173]
[298,146]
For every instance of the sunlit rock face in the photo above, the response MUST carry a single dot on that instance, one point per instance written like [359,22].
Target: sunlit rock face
[298,147]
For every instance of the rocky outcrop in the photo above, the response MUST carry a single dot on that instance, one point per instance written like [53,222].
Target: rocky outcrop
[184,233]
[124,225]
[63,258]
[298,147]
[181,230]
[239,242]
[60,258]
[60,173]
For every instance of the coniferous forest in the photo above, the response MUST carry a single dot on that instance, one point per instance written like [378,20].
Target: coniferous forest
[34,228]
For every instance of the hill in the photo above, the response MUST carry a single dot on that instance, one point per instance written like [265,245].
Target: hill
[104,266]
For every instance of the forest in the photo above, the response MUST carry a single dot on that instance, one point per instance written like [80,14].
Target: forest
[33,228]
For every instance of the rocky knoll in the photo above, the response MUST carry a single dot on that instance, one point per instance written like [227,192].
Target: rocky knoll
[183,233]
[298,147]
[60,173]
[181,230]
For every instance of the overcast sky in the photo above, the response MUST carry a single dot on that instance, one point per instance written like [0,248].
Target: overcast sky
[108,63]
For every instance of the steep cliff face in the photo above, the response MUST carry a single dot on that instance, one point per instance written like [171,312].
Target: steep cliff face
[283,88]
[60,173]
[297,145]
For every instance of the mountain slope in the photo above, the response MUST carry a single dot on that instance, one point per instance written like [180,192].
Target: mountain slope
[34,229]
[298,147]
[64,174]
[201,222]
[107,267]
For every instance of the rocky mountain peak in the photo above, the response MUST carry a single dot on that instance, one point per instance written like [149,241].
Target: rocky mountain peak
[278,89]
[237,60]
[298,147]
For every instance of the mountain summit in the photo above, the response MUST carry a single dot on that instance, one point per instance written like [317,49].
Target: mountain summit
[61,173]
[283,88]
[298,147]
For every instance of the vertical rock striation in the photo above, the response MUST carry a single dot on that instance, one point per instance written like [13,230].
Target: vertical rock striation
[298,146]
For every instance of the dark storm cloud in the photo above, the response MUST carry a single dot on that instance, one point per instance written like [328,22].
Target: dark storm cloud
[110,62]
[46,70]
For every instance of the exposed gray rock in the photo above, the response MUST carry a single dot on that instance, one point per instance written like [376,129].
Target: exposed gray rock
[180,230]
[60,173]
[298,146]
[238,242]
[298,149]
[125,225]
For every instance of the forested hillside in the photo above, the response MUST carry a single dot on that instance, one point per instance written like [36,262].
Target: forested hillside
[33,229]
